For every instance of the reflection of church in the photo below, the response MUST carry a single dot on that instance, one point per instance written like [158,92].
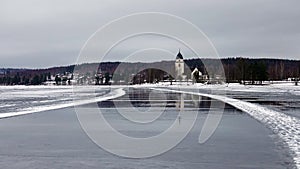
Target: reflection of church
[179,67]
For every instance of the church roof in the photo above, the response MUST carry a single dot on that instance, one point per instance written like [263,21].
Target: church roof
[179,55]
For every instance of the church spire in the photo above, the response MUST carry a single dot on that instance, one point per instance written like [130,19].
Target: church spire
[179,55]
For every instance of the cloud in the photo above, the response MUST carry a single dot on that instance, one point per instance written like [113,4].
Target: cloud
[44,33]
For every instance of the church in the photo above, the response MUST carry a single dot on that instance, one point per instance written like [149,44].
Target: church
[179,67]
[180,75]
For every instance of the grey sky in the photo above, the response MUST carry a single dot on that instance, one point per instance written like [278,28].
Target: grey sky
[35,33]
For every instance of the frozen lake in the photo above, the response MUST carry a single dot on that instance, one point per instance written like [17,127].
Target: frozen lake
[54,138]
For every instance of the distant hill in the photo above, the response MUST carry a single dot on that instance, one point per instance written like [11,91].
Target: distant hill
[235,69]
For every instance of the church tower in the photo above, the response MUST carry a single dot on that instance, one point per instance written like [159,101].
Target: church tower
[179,66]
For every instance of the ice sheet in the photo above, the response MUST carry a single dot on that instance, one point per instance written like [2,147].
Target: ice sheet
[20,100]
[285,126]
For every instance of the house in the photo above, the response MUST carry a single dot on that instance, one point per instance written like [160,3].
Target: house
[198,76]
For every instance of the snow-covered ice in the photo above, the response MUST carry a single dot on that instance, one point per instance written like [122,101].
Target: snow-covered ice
[21,100]
[285,126]
[54,139]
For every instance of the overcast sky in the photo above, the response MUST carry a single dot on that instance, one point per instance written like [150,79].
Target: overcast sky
[44,33]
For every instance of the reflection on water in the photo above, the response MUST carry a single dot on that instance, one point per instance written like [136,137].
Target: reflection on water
[143,98]
[179,104]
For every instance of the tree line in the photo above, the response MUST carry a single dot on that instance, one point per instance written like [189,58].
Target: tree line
[242,70]
[253,71]
[17,79]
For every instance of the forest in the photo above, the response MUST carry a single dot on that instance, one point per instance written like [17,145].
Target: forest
[242,70]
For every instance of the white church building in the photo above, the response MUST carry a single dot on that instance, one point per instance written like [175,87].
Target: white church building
[180,74]
[179,68]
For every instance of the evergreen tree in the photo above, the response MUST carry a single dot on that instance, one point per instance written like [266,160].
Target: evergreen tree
[35,80]
[107,78]
[57,80]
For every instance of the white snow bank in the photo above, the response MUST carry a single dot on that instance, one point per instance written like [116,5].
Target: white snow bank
[281,87]
[286,127]
[111,95]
